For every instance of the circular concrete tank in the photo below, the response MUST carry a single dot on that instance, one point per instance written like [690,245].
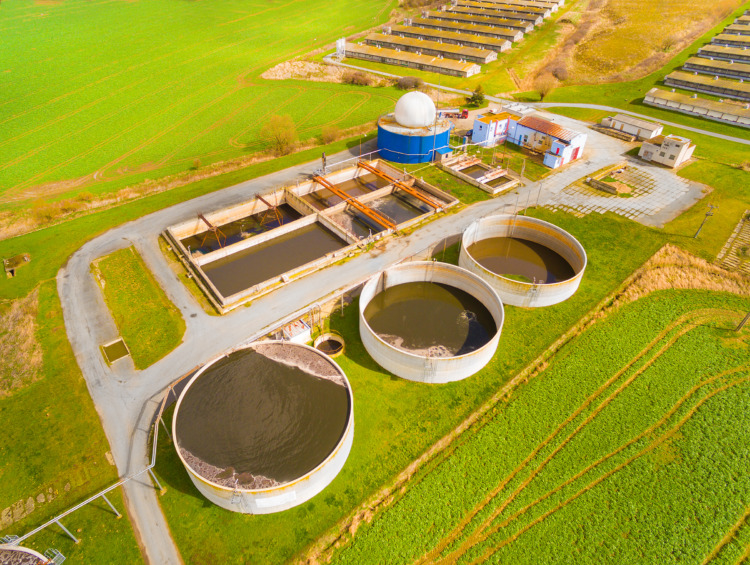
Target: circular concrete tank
[17,555]
[430,322]
[330,343]
[529,262]
[265,427]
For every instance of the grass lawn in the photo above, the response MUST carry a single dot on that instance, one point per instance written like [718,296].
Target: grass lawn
[52,439]
[623,450]
[396,420]
[147,88]
[148,322]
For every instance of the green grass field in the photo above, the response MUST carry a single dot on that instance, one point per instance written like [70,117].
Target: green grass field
[99,95]
[52,441]
[628,448]
[149,323]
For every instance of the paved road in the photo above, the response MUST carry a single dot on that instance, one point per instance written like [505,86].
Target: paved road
[127,400]
[542,105]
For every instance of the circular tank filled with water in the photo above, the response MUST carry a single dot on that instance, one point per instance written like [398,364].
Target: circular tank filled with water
[429,321]
[266,427]
[529,262]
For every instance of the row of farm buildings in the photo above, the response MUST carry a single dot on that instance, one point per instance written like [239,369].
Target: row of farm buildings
[722,69]
[457,39]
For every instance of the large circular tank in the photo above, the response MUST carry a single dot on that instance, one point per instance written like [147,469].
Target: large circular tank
[17,555]
[265,427]
[429,321]
[411,134]
[529,262]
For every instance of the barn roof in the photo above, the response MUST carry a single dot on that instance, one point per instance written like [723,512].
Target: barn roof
[550,128]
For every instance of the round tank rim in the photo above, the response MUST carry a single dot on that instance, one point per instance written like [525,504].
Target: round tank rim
[523,284]
[346,431]
[460,269]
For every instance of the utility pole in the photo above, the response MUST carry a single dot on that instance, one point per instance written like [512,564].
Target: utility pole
[709,213]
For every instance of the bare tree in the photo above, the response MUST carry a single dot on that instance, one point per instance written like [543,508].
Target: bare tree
[545,84]
[280,133]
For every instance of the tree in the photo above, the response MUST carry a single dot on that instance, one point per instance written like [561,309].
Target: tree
[280,133]
[545,84]
[477,97]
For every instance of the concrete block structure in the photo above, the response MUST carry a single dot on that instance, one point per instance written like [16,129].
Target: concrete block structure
[710,109]
[669,150]
[641,129]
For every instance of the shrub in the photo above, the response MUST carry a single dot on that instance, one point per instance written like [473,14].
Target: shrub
[357,78]
[409,83]
[329,134]
[280,133]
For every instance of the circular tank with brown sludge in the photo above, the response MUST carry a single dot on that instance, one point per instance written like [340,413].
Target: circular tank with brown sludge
[529,262]
[331,343]
[265,427]
[430,322]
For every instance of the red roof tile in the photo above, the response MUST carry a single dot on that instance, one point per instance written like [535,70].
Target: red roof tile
[550,128]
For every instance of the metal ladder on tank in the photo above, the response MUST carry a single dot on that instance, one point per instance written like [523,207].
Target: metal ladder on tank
[430,369]
[237,497]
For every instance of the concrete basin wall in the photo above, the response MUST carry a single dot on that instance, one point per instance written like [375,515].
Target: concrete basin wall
[419,367]
[282,497]
[519,293]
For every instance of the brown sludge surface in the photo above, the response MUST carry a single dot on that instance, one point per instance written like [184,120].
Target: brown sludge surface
[263,417]
[15,557]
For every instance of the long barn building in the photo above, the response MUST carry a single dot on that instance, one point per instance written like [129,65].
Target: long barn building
[718,68]
[715,86]
[472,19]
[511,35]
[452,37]
[411,60]
[476,9]
[710,109]
[736,54]
[434,48]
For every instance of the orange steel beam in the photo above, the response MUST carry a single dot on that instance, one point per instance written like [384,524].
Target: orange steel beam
[209,224]
[259,197]
[406,188]
[369,212]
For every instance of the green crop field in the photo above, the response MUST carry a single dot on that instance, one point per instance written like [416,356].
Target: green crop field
[630,447]
[97,95]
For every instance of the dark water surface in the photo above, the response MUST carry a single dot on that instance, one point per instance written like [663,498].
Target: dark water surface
[357,186]
[514,257]
[271,259]
[418,316]
[262,417]
[400,207]
[242,229]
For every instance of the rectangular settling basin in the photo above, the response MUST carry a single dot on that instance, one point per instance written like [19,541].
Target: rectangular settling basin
[242,228]
[355,187]
[272,258]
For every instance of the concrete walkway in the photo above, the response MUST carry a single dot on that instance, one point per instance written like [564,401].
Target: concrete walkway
[127,400]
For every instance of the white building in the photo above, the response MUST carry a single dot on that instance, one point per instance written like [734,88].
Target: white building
[669,150]
[558,144]
[641,129]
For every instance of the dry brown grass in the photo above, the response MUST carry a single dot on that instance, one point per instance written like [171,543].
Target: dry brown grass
[19,349]
[671,267]
[618,40]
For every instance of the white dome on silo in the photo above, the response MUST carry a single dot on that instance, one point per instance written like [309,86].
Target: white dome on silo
[415,110]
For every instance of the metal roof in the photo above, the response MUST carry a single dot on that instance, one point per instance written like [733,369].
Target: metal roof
[427,32]
[713,105]
[643,124]
[451,64]
[432,45]
[704,80]
[719,64]
[550,128]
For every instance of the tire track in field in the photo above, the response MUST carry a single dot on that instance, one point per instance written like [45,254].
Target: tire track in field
[666,436]
[728,536]
[660,423]
[432,555]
